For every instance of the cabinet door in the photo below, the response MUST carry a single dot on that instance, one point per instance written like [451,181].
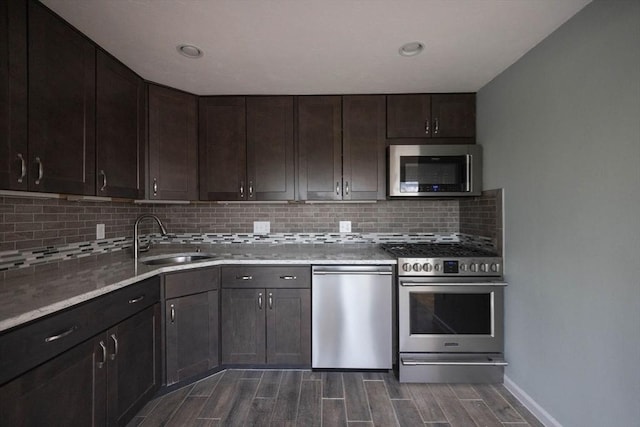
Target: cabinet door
[409,116]
[222,145]
[319,147]
[61,106]
[134,367]
[243,326]
[68,390]
[191,335]
[13,95]
[270,157]
[454,115]
[173,145]
[363,148]
[289,326]
[119,130]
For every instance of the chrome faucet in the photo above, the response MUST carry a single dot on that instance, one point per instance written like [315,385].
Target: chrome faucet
[136,243]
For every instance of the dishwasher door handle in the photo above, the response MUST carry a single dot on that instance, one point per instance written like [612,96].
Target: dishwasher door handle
[384,271]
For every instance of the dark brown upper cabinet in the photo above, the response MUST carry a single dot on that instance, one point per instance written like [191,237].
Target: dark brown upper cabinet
[119,130]
[341,143]
[223,148]
[173,144]
[431,116]
[62,90]
[246,148]
[13,95]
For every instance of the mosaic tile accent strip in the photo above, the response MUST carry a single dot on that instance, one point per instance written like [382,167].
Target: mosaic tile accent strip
[10,260]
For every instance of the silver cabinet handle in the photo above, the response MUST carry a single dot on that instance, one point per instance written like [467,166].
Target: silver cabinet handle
[338,188]
[250,189]
[40,171]
[136,299]
[115,347]
[244,277]
[104,355]
[241,190]
[172,313]
[260,300]
[155,187]
[346,188]
[426,126]
[62,334]
[288,277]
[436,126]
[23,168]
[270,301]
[104,180]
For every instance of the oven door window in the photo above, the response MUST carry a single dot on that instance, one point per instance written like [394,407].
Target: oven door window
[433,174]
[436,313]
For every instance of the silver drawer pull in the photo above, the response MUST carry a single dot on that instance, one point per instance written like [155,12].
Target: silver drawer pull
[40,171]
[61,334]
[270,300]
[115,347]
[136,299]
[172,313]
[260,300]
[288,277]
[23,168]
[411,362]
[244,277]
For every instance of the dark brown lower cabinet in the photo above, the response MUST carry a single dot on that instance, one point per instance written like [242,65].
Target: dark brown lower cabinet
[191,335]
[102,381]
[266,326]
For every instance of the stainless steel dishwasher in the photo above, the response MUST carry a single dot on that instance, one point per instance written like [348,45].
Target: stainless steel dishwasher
[351,322]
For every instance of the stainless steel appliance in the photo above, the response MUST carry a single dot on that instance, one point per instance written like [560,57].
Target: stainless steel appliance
[351,317]
[450,313]
[434,170]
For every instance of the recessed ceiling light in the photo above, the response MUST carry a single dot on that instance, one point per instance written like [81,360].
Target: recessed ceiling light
[190,51]
[411,49]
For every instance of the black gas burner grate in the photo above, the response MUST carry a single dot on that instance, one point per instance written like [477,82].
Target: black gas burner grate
[434,250]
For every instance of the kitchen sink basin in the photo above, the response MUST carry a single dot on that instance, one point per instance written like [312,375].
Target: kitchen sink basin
[177,259]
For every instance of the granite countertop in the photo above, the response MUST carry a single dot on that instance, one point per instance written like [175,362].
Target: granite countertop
[66,283]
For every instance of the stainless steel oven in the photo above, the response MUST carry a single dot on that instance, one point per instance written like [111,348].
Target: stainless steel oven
[450,313]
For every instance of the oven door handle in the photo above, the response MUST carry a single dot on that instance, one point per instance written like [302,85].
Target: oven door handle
[416,362]
[418,282]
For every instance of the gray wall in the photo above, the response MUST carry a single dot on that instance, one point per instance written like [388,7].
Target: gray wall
[561,133]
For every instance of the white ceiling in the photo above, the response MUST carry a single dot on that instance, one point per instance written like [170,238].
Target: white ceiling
[318,46]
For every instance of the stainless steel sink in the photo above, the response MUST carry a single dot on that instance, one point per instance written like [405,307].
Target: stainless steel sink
[177,259]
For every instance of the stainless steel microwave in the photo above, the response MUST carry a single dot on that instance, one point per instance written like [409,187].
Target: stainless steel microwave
[434,170]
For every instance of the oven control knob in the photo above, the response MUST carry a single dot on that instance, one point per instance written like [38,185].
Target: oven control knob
[427,267]
[494,268]
[463,266]
[436,267]
[417,266]
[473,267]
[484,267]
[406,266]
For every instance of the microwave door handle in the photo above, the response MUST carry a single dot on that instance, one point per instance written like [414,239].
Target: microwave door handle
[468,180]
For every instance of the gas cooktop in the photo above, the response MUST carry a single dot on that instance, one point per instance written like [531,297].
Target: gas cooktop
[444,259]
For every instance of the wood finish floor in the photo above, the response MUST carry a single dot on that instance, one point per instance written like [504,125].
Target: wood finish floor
[350,399]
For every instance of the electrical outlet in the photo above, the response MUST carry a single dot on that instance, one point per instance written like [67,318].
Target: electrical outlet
[261,227]
[99,231]
[345,226]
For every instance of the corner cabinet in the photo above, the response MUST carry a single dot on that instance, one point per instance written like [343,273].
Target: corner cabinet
[62,90]
[14,155]
[266,316]
[341,143]
[191,323]
[431,116]
[61,370]
[247,148]
[120,124]
[173,144]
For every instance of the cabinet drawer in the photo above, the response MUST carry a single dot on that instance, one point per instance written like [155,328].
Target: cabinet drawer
[266,277]
[191,282]
[118,305]
[28,346]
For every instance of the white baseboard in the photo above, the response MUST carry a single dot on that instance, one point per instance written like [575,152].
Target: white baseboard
[528,402]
